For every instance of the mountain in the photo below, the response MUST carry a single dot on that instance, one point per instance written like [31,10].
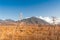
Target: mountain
[34,20]
[31,20]
[7,22]
[1,20]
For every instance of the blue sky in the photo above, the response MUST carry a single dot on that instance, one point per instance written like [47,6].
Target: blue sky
[10,9]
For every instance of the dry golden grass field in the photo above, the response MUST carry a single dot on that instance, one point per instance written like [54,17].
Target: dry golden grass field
[29,32]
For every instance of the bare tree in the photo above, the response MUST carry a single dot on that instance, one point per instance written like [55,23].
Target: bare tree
[54,20]
[18,24]
[20,18]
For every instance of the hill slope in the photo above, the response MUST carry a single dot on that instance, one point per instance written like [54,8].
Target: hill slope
[34,20]
[31,20]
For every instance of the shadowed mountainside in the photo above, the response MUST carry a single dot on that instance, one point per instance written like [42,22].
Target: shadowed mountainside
[32,20]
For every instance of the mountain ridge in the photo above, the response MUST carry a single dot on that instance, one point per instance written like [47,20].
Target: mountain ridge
[31,20]
[34,20]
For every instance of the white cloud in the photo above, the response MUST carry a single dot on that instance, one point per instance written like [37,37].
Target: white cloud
[48,19]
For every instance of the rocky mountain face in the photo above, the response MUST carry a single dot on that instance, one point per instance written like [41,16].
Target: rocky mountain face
[31,20]
[34,20]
